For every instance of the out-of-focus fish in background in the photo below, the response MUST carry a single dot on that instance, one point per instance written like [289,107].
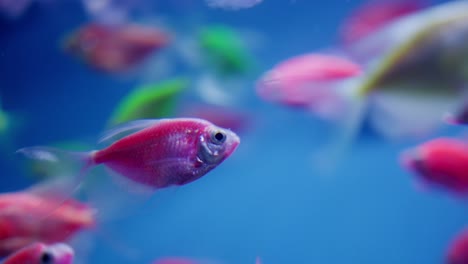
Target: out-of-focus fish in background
[232,4]
[414,71]
[161,153]
[441,162]
[115,48]
[457,252]
[40,214]
[151,101]
[40,253]
[308,81]
[374,15]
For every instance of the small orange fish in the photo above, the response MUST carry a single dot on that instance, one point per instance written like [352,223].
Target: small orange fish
[441,162]
[115,48]
[40,253]
[26,217]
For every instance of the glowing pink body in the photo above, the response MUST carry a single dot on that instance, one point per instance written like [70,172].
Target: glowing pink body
[26,218]
[305,80]
[170,152]
[39,253]
[115,48]
[442,162]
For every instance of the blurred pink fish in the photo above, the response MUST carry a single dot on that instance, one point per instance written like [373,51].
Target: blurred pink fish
[115,48]
[39,253]
[161,153]
[374,15]
[442,162]
[458,249]
[26,217]
[232,4]
[307,81]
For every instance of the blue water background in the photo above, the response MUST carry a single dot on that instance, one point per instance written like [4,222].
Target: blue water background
[267,199]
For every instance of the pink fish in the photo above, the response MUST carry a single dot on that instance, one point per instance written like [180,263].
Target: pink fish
[40,253]
[307,81]
[161,153]
[26,217]
[115,48]
[441,162]
[458,250]
[374,15]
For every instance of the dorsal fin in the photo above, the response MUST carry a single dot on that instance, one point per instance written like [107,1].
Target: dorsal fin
[127,128]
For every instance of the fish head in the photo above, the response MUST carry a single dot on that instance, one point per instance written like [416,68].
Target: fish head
[215,145]
[440,161]
[40,253]
[59,253]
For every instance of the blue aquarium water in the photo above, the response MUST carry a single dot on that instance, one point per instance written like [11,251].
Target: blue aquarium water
[268,199]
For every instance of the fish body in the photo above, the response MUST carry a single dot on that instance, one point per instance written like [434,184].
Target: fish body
[161,153]
[26,218]
[309,81]
[441,162]
[40,253]
[115,48]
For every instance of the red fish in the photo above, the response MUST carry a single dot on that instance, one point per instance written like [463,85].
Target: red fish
[375,15]
[40,253]
[115,48]
[308,80]
[26,217]
[458,250]
[161,153]
[440,162]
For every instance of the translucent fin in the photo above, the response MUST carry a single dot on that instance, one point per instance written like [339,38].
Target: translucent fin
[127,128]
[65,187]
[327,158]
[397,116]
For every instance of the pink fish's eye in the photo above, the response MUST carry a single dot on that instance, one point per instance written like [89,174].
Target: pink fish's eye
[218,137]
[47,258]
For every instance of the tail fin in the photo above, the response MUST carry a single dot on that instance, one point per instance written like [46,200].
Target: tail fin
[81,162]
